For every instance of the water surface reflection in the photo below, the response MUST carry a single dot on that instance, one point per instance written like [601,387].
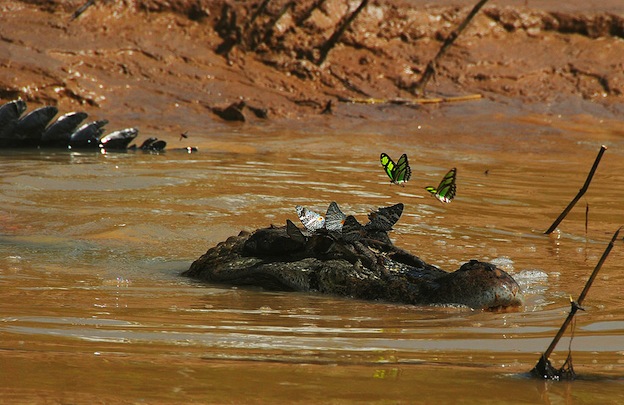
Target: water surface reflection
[92,246]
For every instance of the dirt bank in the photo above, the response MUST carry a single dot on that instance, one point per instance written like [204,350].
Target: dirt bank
[168,63]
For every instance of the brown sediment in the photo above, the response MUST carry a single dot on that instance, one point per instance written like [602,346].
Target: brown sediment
[157,61]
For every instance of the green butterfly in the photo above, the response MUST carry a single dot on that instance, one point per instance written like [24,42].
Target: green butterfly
[446,189]
[400,172]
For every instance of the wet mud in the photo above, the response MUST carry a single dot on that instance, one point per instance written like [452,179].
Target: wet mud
[178,64]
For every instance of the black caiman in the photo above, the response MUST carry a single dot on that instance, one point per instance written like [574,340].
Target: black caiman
[337,255]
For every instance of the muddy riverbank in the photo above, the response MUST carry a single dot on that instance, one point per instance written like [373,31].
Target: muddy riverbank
[93,245]
[169,63]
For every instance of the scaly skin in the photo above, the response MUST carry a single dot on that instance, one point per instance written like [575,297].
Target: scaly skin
[371,268]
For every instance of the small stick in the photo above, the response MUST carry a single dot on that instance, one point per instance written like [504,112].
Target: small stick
[575,307]
[586,217]
[419,87]
[331,42]
[255,15]
[580,193]
[251,33]
[581,297]
[408,101]
[228,30]
[81,9]
[268,29]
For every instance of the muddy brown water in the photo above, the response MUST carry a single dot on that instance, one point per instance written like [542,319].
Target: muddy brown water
[93,308]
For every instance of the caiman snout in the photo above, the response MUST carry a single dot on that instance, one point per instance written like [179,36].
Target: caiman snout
[479,285]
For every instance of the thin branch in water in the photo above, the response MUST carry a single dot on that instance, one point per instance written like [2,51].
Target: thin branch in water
[586,217]
[333,40]
[580,193]
[597,268]
[543,368]
[419,87]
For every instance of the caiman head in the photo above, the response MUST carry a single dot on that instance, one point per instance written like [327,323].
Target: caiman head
[478,285]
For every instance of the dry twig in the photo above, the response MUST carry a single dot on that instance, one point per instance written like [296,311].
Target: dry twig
[419,87]
[333,40]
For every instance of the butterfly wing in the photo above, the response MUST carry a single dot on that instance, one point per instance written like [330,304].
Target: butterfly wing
[402,170]
[399,172]
[334,218]
[310,219]
[352,229]
[294,232]
[447,188]
[432,190]
[384,218]
[388,165]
